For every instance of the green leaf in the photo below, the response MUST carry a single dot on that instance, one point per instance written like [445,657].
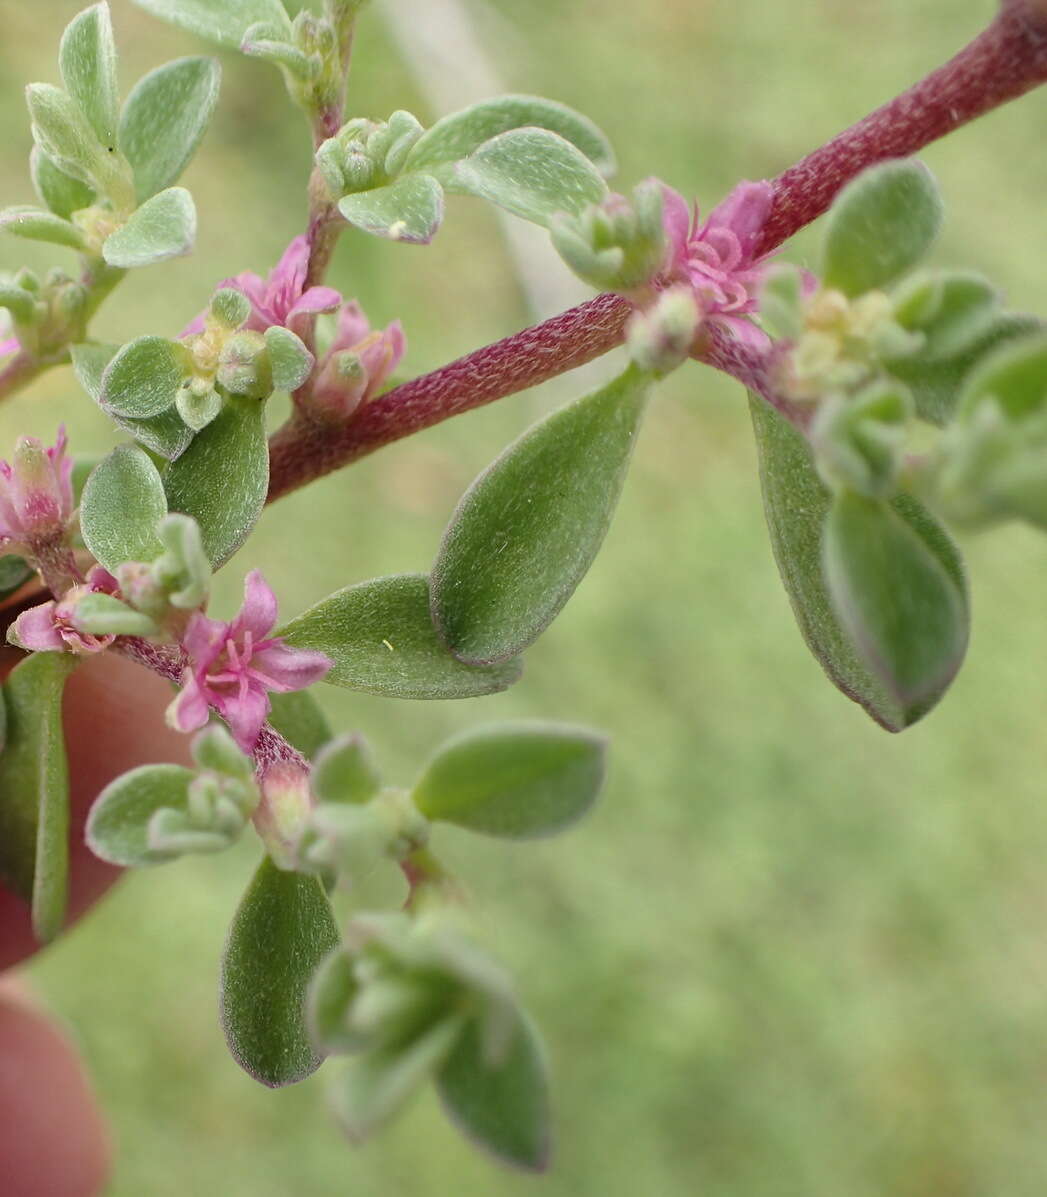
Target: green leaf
[221,480]
[143,378]
[516,780]
[531,173]
[61,132]
[164,119]
[376,1086]
[902,607]
[87,60]
[34,782]
[502,1105]
[527,530]
[410,210]
[103,615]
[281,932]
[291,361]
[118,825]
[381,639]
[222,21]
[344,771]
[14,573]
[937,384]
[880,226]
[63,194]
[796,505]
[299,718]
[163,227]
[458,135]
[333,987]
[37,224]
[123,502]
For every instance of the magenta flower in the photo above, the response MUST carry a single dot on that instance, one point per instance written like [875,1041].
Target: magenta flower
[36,494]
[9,348]
[357,363]
[718,258]
[233,666]
[282,298]
[52,627]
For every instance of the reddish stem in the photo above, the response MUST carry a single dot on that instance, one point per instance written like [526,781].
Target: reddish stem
[1004,62]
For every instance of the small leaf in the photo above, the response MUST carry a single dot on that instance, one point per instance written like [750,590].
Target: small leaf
[221,480]
[63,194]
[344,771]
[34,782]
[222,21]
[14,573]
[61,132]
[502,1105]
[458,135]
[164,119]
[299,718]
[36,224]
[381,639]
[533,174]
[516,780]
[410,210]
[333,987]
[118,826]
[291,361]
[376,1086]
[281,932]
[796,505]
[104,615]
[142,379]
[527,530]
[163,227]
[880,226]
[123,502]
[902,607]
[87,60]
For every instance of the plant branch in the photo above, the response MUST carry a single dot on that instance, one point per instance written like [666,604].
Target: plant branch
[1008,59]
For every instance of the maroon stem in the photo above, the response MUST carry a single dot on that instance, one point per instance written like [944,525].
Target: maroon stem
[1004,62]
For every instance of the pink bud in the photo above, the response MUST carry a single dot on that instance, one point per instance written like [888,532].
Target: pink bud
[283,811]
[36,494]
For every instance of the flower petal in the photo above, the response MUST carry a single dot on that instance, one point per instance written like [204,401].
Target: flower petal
[37,631]
[258,614]
[286,668]
[744,212]
[189,709]
[245,715]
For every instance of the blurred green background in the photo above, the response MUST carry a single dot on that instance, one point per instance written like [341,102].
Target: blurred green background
[788,954]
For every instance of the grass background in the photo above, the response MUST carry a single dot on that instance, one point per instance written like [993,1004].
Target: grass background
[788,955]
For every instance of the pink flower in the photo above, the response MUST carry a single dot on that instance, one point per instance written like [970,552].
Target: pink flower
[282,298]
[36,494]
[52,627]
[718,258]
[358,362]
[9,348]
[233,666]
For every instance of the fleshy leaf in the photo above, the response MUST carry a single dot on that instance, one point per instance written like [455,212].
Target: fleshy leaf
[164,118]
[376,1086]
[118,825]
[123,502]
[903,609]
[458,135]
[411,209]
[281,932]
[796,505]
[37,224]
[143,378]
[34,782]
[222,21]
[222,478]
[502,1104]
[87,60]
[532,173]
[516,780]
[62,133]
[332,989]
[14,573]
[163,227]
[880,226]
[527,530]
[299,718]
[381,639]
[63,194]
[291,361]
[344,771]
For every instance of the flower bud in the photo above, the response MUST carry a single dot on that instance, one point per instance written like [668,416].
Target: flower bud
[660,338]
[36,496]
[283,811]
[244,367]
